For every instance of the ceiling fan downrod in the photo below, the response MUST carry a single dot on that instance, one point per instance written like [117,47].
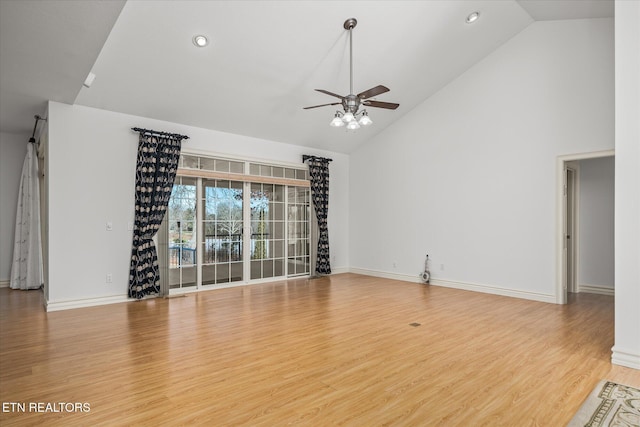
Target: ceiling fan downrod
[350,24]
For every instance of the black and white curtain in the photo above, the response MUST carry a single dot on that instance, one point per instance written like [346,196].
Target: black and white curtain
[158,156]
[319,176]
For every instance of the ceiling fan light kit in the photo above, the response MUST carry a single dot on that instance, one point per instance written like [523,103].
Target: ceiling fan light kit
[337,120]
[352,117]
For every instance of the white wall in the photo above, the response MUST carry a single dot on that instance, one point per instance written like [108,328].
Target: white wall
[91,181]
[469,175]
[627,204]
[596,262]
[13,148]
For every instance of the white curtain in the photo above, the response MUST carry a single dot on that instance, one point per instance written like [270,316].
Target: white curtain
[26,270]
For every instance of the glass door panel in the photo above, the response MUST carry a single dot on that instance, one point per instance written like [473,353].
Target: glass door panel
[298,236]
[223,228]
[267,230]
[182,233]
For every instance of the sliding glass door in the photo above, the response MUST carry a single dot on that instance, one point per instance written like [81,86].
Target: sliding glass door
[225,226]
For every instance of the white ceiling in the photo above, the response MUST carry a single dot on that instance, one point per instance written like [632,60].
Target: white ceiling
[47,48]
[263,64]
[549,10]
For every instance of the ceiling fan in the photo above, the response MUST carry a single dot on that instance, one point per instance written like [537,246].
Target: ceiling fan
[351,103]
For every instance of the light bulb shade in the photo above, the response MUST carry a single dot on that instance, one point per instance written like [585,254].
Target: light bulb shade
[336,122]
[353,125]
[348,117]
[365,120]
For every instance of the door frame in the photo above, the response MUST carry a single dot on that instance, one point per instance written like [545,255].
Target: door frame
[562,162]
[571,224]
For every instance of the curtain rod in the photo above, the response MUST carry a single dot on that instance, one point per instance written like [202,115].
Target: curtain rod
[156,132]
[35,125]
[305,157]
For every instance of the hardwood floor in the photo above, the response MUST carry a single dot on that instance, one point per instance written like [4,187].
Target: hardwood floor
[330,351]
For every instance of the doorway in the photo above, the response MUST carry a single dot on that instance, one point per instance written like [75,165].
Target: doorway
[568,222]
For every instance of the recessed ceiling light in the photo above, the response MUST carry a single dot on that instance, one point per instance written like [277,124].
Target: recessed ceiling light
[200,40]
[473,17]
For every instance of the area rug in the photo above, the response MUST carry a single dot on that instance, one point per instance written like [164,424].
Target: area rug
[609,404]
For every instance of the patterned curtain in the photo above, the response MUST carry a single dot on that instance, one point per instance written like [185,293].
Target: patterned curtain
[158,156]
[26,269]
[319,173]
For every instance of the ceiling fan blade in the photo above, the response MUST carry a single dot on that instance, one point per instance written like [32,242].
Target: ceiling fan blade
[378,104]
[330,93]
[373,92]
[323,105]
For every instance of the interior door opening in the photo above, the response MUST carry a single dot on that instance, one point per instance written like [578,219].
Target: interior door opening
[569,257]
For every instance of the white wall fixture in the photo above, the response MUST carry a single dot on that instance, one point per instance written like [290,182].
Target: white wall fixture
[89,80]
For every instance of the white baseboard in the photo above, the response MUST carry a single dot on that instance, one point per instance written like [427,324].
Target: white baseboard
[494,290]
[596,289]
[475,287]
[339,270]
[87,302]
[91,302]
[4,283]
[386,275]
[624,357]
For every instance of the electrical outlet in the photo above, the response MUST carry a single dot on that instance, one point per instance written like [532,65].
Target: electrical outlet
[109,278]
[109,226]
[395,264]
[442,267]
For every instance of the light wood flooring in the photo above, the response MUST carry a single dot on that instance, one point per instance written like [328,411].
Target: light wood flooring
[323,352]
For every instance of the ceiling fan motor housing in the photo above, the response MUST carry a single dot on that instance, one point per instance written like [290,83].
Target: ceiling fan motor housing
[351,103]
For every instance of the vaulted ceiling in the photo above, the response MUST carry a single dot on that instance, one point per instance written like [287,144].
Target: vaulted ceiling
[264,60]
